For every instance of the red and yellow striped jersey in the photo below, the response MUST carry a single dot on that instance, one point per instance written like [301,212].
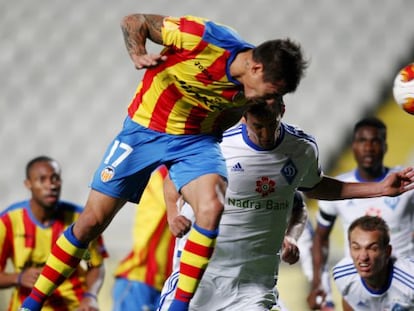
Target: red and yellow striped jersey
[188,92]
[27,243]
[150,260]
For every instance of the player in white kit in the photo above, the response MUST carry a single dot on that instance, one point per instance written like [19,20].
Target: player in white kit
[305,246]
[371,279]
[267,161]
[369,147]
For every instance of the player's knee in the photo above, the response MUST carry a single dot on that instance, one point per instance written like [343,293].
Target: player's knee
[209,214]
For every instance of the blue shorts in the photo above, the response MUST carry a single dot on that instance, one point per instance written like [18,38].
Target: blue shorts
[133,295]
[137,151]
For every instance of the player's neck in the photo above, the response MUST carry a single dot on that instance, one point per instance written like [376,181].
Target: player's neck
[240,64]
[371,174]
[44,215]
[381,280]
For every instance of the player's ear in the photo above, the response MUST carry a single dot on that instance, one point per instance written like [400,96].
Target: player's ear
[27,184]
[388,250]
[257,68]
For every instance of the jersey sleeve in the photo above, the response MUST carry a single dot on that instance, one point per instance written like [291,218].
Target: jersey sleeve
[182,32]
[327,213]
[314,172]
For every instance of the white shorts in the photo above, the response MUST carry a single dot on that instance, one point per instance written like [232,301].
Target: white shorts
[222,293]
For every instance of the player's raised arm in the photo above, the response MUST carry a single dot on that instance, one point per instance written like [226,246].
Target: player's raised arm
[136,29]
[333,189]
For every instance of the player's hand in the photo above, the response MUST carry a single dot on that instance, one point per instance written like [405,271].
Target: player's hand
[88,304]
[29,276]
[399,182]
[316,298]
[179,226]
[148,60]
[290,250]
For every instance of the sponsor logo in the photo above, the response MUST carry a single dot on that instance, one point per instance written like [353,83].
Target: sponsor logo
[265,186]
[237,168]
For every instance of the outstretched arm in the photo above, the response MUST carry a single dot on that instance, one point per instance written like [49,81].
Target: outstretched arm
[136,29]
[333,189]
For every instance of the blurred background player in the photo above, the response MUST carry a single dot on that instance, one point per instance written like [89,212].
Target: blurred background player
[369,146]
[305,246]
[28,230]
[140,276]
[373,279]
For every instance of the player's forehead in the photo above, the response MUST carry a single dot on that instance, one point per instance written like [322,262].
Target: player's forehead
[364,238]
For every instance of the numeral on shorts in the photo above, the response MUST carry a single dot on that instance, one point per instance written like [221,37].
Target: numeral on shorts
[127,149]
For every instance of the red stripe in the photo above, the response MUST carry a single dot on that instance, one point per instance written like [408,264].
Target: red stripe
[54,276]
[198,249]
[191,27]
[165,104]
[63,256]
[30,230]
[214,72]
[183,295]
[148,77]
[170,256]
[195,118]
[77,285]
[163,171]
[192,271]
[37,295]
[152,262]
[57,228]
[8,246]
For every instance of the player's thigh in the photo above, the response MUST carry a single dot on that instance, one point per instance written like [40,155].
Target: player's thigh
[206,195]
[194,156]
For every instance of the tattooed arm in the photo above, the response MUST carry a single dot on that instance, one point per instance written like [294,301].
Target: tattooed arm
[136,29]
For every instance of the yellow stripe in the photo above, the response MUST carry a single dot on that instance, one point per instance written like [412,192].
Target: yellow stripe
[69,248]
[44,285]
[194,260]
[187,283]
[200,238]
[59,266]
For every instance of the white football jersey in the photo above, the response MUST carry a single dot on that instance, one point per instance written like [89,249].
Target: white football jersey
[397,295]
[259,197]
[258,203]
[398,212]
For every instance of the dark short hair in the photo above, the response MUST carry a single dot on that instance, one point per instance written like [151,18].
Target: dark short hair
[260,108]
[282,60]
[372,223]
[372,122]
[33,161]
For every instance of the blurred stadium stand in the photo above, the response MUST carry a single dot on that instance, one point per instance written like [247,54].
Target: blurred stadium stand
[66,78]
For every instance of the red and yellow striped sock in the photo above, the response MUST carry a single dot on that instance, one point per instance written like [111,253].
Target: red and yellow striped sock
[194,260]
[62,262]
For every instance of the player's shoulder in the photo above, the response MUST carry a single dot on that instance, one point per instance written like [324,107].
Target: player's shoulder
[344,271]
[15,207]
[405,263]
[297,132]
